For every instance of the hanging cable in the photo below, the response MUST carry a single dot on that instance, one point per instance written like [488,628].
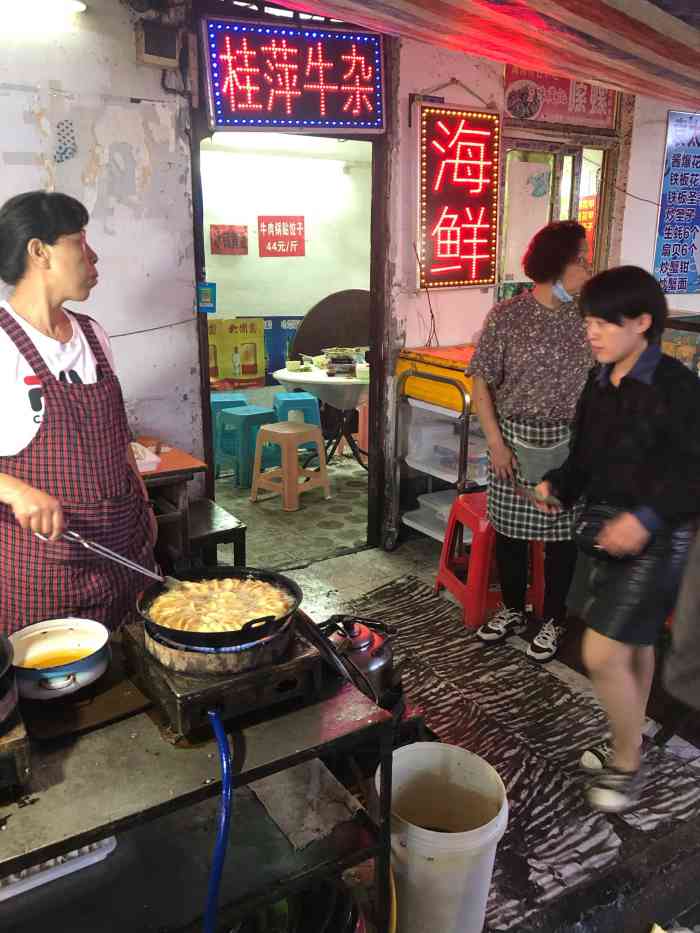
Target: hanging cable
[224,822]
[432,330]
[148,330]
[635,196]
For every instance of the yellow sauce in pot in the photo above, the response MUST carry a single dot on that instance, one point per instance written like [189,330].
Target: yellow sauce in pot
[58,658]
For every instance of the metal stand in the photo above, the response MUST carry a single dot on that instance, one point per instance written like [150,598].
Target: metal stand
[343,433]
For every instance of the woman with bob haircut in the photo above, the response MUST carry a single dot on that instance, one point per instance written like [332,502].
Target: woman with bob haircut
[636,459]
[65,458]
[529,368]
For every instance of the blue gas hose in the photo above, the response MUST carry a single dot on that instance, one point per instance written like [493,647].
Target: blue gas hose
[224,822]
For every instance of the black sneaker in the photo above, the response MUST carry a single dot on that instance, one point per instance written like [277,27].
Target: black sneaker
[615,791]
[598,757]
[545,644]
[504,623]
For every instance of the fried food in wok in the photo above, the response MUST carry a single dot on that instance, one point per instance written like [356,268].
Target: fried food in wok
[219,605]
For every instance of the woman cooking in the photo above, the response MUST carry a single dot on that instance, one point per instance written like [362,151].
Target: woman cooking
[65,459]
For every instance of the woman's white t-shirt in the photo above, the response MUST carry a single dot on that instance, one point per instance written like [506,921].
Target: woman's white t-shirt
[20,388]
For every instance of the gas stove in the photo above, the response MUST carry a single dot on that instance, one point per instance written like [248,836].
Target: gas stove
[14,753]
[184,698]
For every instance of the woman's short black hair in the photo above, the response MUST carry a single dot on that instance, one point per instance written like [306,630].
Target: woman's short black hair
[625,292]
[40,215]
[551,250]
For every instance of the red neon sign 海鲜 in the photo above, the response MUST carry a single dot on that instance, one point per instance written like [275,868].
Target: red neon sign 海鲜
[458,197]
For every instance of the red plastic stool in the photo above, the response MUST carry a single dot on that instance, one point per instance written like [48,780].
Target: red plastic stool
[467,577]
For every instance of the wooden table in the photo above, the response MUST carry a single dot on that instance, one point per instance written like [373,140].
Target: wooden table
[167,487]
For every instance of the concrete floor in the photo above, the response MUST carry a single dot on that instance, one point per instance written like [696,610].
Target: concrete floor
[330,584]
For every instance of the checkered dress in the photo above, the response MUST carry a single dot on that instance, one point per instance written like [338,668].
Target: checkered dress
[78,456]
[511,514]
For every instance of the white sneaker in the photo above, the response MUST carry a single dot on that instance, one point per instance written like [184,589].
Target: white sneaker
[545,644]
[504,623]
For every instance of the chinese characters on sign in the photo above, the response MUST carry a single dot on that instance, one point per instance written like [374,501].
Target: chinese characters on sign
[308,79]
[587,217]
[227,240]
[281,236]
[676,262]
[458,197]
[237,353]
[544,98]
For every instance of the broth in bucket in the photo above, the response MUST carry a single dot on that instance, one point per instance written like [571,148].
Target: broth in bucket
[461,809]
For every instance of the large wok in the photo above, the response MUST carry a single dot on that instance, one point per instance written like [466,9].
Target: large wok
[252,632]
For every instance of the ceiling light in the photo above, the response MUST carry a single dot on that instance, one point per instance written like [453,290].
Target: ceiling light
[39,17]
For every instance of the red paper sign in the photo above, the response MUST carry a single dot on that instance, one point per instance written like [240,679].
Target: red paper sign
[459,197]
[544,98]
[587,217]
[281,236]
[228,240]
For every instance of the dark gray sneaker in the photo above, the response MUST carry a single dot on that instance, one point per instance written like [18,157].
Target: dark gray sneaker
[615,791]
[504,623]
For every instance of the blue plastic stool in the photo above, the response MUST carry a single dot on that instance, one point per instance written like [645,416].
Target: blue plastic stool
[242,425]
[223,450]
[285,402]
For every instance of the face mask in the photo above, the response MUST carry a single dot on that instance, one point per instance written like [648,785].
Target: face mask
[561,293]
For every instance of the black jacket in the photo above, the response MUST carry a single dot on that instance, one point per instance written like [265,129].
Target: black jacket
[637,445]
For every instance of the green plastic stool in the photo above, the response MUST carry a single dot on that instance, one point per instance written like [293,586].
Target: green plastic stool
[243,424]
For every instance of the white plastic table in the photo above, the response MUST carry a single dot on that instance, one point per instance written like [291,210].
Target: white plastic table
[341,392]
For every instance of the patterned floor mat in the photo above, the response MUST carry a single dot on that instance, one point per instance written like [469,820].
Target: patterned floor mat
[320,529]
[531,725]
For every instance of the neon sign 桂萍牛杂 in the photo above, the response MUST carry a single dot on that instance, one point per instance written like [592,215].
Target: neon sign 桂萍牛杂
[264,76]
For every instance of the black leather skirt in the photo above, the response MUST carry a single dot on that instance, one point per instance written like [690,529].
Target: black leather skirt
[630,599]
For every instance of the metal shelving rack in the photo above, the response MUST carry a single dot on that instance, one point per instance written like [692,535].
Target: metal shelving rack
[401,399]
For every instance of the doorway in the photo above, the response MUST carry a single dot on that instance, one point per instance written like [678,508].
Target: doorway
[286,224]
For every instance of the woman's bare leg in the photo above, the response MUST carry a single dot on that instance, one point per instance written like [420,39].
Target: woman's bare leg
[621,676]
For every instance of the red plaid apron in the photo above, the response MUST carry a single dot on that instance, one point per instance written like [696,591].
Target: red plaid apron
[79,456]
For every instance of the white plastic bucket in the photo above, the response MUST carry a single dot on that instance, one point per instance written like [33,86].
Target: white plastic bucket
[448,813]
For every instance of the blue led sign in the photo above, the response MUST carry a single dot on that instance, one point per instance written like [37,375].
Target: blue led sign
[262,76]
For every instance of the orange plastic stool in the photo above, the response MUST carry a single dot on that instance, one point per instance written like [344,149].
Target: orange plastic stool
[285,480]
[467,577]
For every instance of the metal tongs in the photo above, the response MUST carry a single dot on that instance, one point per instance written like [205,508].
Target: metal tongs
[103,551]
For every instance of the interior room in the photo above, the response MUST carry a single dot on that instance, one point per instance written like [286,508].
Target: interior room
[286,227]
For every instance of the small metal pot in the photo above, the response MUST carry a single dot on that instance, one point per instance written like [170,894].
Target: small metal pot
[54,637]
